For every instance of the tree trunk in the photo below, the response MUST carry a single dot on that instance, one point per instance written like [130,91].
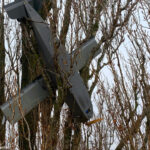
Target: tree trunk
[30,70]
[2,76]
[28,128]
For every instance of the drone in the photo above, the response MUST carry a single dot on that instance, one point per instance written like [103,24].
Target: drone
[77,98]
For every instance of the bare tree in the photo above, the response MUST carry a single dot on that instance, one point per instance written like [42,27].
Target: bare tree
[117,80]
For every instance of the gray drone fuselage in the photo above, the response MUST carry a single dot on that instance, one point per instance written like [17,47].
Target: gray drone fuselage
[77,98]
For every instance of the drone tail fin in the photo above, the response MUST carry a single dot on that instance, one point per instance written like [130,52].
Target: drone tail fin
[16,10]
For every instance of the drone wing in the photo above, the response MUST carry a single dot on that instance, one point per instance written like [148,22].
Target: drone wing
[25,101]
